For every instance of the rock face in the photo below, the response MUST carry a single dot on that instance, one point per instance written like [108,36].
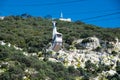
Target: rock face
[90,43]
[85,50]
[94,50]
[116,45]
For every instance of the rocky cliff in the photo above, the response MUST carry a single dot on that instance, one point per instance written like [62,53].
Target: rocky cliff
[91,50]
[90,54]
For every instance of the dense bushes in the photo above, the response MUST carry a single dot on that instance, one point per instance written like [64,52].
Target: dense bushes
[16,64]
[34,33]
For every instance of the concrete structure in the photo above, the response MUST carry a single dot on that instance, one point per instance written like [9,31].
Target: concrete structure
[64,19]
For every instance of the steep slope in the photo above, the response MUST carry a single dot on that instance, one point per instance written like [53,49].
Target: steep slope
[89,52]
[34,33]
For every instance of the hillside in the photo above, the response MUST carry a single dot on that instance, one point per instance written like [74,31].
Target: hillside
[89,52]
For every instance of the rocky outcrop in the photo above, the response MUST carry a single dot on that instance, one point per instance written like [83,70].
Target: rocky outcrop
[83,50]
[94,50]
[88,43]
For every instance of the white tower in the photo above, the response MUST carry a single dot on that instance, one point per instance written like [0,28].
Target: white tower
[57,39]
[61,15]
[54,29]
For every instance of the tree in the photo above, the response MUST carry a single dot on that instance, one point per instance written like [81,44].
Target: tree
[49,17]
[79,22]
[25,15]
[118,67]
[114,53]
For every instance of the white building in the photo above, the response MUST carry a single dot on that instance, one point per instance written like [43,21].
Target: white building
[64,19]
[2,17]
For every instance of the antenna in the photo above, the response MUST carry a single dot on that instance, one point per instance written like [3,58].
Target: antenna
[54,23]
[61,15]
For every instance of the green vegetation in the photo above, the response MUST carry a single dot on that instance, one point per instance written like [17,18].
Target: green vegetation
[33,34]
[15,66]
